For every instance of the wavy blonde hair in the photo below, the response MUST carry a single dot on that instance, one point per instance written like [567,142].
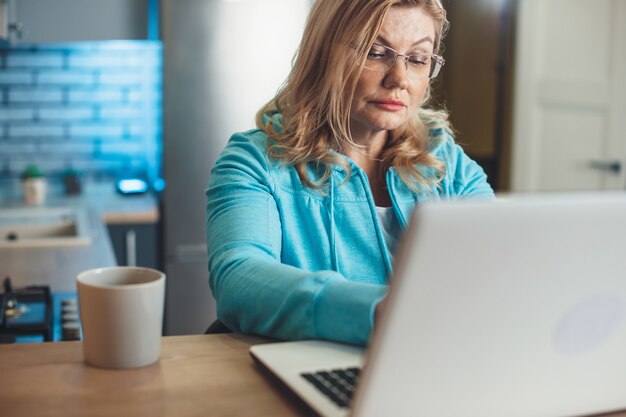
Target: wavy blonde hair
[315,99]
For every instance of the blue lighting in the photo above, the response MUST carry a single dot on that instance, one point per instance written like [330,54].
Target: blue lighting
[132,186]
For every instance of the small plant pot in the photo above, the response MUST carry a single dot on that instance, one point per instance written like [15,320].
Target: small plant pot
[34,191]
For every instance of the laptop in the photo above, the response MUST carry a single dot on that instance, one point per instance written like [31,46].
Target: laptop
[512,307]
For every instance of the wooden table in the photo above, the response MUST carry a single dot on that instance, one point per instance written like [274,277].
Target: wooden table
[197,376]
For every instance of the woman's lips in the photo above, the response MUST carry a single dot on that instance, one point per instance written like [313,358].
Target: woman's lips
[390,105]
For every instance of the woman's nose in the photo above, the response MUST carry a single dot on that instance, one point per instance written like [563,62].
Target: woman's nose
[398,75]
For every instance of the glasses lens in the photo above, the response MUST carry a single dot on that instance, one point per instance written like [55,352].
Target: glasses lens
[436,64]
[419,65]
[381,58]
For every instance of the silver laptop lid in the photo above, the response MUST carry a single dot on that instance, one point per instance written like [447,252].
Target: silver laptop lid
[508,308]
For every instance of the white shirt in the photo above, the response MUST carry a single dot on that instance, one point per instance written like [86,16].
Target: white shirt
[391,228]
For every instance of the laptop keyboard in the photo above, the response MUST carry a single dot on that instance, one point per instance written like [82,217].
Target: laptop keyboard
[338,384]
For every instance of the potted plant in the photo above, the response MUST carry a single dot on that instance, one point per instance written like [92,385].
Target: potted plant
[33,186]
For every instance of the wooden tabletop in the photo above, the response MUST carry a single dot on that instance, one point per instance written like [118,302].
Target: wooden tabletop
[196,376]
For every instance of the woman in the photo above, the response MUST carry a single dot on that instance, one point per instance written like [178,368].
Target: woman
[304,212]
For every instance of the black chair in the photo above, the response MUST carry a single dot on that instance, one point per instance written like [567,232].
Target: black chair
[217,327]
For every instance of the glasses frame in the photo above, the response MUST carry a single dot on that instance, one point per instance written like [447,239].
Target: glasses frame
[437,61]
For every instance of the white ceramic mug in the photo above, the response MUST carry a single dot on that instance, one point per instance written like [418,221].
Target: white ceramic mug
[121,312]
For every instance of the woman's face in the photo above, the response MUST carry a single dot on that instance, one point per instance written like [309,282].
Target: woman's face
[385,101]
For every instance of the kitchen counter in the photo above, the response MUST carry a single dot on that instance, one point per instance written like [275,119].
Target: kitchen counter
[113,207]
[58,266]
[116,208]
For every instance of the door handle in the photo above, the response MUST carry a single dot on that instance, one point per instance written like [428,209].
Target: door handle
[614,167]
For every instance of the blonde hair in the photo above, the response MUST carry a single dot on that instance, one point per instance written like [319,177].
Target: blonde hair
[315,99]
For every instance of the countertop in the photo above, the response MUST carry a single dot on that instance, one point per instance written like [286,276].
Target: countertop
[58,266]
[113,207]
[116,208]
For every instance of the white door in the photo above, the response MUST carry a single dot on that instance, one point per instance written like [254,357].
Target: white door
[569,127]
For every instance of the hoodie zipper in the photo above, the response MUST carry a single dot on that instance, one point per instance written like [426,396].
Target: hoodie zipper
[379,234]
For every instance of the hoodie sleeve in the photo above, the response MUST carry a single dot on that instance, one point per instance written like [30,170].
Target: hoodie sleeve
[255,292]
[463,177]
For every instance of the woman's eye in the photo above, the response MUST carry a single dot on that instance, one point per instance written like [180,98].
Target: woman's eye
[375,54]
[418,60]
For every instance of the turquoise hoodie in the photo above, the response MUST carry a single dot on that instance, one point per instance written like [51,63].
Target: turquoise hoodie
[289,262]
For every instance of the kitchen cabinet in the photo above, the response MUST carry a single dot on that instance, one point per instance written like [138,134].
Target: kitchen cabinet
[136,244]
[56,21]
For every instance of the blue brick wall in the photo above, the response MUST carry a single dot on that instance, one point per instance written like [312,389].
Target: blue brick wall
[90,106]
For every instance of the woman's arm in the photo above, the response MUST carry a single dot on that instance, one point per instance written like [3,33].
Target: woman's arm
[255,292]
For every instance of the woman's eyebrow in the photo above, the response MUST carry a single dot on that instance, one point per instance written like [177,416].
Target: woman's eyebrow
[387,43]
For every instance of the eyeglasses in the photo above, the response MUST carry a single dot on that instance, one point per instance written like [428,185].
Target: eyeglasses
[420,65]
